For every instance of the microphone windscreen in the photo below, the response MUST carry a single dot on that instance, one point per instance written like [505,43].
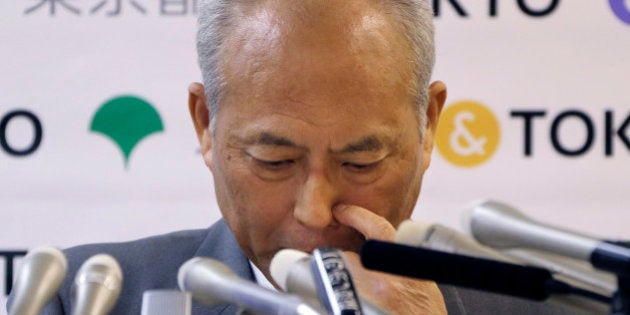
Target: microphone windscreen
[212,282]
[413,233]
[458,270]
[42,273]
[283,263]
[97,285]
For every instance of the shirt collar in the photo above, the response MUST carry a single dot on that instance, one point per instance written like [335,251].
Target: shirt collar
[260,278]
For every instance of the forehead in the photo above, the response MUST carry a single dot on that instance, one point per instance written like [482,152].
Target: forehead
[323,55]
[301,35]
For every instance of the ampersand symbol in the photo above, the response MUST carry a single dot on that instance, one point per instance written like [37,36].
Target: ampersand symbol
[474,145]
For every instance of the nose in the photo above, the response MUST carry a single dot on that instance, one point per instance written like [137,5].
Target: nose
[314,202]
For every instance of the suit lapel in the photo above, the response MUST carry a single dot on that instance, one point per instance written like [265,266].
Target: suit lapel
[220,244]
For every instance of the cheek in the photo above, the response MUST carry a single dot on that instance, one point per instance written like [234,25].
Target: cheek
[392,197]
[229,191]
[251,205]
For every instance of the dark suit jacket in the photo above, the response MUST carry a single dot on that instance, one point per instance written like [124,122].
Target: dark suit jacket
[153,263]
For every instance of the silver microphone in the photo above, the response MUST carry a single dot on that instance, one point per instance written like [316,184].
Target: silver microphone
[166,302]
[291,269]
[97,286]
[440,237]
[570,270]
[41,274]
[211,282]
[500,226]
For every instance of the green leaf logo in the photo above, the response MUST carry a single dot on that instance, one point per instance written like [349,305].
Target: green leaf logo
[126,120]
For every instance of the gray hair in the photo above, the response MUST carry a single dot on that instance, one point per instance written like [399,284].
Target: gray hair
[216,20]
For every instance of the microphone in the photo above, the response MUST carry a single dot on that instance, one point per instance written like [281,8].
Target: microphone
[166,302]
[476,273]
[334,282]
[500,226]
[291,269]
[442,238]
[41,274]
[439,237]
[211,282]
[568,269]
[96,286]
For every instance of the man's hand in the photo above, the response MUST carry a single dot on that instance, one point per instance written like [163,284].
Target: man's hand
[394,294]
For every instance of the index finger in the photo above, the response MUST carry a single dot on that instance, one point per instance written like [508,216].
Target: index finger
[368,223]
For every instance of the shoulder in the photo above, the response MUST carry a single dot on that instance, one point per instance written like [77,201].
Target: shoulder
[148,263]
[157,252]
[142,251]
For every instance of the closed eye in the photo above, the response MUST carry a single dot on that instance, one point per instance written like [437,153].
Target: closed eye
[360,167]
[275,165]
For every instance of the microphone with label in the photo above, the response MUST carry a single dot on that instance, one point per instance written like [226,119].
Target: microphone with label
[41,274]
[291,269]
[96,286]
[211,282]
[334,282]
[500,226]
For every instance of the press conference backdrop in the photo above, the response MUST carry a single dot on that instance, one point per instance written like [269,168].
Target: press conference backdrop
[97,145]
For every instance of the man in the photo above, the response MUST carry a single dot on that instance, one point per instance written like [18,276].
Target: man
[320,128]
[317,122]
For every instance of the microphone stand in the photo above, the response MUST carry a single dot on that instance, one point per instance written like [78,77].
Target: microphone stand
[621,299]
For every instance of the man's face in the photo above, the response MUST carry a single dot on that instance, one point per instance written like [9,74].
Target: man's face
[313,119]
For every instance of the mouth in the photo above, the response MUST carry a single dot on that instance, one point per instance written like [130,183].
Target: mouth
[307,241]
[350,244]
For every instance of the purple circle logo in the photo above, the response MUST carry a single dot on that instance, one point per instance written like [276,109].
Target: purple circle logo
[620,9]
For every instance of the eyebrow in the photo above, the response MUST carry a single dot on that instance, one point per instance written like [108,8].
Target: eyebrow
[266,138]
[366,144]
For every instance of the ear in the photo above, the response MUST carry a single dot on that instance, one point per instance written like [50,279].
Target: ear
[437,97]
[200,114]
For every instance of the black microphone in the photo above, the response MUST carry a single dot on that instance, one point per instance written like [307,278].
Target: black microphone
[476,273]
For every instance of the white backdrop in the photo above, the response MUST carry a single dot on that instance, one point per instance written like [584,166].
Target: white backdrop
[75,188]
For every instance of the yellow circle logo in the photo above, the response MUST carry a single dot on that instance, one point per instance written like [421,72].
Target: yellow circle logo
[468,134]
